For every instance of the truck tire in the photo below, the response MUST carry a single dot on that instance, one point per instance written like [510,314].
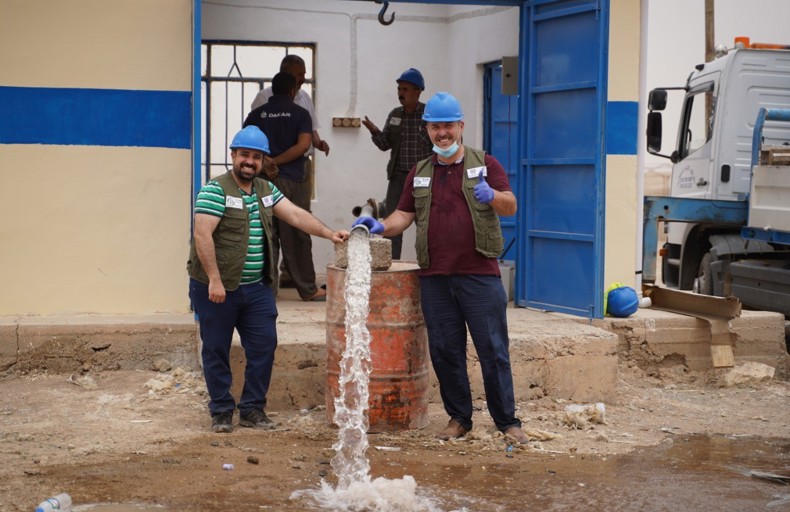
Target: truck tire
[703,284]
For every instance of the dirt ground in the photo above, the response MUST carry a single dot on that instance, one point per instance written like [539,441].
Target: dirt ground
[144,437]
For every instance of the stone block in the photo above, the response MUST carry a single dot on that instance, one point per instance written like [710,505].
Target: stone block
[380,254]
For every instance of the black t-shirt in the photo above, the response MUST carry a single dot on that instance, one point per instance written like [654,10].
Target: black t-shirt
[283,121]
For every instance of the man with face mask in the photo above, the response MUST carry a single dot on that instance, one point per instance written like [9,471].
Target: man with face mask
[455,198]
[231,270]
[405,137]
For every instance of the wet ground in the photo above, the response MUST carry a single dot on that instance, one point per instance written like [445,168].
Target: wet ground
[673,444]
[690,473]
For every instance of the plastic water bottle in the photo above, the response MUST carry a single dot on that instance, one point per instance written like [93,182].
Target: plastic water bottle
[61,502]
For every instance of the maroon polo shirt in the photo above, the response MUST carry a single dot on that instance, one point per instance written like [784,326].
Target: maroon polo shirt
[451,236]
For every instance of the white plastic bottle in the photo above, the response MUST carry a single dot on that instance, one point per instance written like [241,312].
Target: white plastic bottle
[61,503]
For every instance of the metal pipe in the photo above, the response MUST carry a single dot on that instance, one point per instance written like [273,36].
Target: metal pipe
[366,210]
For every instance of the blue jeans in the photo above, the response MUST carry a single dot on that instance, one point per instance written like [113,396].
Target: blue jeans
[252,311]
[450,304]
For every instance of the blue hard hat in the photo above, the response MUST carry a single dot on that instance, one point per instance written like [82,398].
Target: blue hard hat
[622,302]
[413,76]
[251,137]
[442,107]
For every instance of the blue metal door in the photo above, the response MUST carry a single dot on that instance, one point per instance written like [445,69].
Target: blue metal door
[500,139]
[563,73]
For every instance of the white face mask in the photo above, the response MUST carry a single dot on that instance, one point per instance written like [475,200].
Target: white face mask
[446,153]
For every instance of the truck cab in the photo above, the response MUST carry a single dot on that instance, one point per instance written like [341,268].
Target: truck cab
[712,156]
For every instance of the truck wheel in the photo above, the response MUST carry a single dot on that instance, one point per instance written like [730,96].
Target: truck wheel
[703,284]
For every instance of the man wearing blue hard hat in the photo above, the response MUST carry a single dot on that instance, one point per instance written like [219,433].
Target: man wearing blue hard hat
[231,269]
[404,136]
[455,197]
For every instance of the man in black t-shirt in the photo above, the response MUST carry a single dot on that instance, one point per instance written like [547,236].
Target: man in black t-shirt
[289,129]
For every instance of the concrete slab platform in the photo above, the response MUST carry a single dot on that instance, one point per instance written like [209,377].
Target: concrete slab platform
[80,343]
[550,356]
[553,355]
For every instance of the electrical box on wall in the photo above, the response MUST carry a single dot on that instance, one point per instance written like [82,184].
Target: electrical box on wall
[510,76]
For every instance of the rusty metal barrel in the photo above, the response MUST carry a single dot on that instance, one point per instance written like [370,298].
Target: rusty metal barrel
[399,377]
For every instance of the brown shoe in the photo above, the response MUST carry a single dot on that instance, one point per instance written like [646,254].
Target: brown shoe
[517,435]
[318,296]
[453,430]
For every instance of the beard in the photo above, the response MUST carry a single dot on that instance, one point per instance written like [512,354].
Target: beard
[245,173]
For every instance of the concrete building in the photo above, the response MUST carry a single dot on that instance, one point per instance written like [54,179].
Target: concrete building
[105,106]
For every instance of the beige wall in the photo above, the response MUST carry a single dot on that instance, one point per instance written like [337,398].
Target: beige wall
[621,170]
[90,229]
[111,44]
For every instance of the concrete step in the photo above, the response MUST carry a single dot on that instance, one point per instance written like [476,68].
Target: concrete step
[652,338]
[552,355]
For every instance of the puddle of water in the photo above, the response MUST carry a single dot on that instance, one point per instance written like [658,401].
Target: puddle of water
[696,473]
[117,508]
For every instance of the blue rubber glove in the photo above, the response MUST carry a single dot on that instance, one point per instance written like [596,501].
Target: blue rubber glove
[375,227]
[483,192]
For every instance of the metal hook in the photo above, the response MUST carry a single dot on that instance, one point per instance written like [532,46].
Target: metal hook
[381,15]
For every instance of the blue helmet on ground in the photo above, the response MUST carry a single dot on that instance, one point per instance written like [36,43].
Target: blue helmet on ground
[251,137]
[442,107]
[413,76]
[622,301]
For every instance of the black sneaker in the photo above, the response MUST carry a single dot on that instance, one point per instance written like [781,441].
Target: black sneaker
[256,419]
[222,422]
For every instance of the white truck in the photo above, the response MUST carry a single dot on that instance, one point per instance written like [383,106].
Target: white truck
[727,218]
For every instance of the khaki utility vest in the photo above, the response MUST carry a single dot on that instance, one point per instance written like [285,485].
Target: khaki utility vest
[232,235]
[488,234]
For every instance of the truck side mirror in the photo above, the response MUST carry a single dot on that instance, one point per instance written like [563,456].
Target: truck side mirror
[657,99]
[654,131]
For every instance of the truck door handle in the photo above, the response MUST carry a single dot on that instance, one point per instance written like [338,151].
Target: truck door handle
[702,182]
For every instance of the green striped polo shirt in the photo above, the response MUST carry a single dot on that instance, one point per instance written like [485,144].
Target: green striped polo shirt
[211,201]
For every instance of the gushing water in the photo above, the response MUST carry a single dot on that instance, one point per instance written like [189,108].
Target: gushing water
[355,490]
[351,407]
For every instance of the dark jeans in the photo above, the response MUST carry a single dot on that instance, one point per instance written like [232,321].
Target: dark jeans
[251,310]
[450,304]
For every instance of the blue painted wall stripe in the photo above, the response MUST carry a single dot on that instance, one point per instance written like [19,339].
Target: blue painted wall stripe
[621,127]
[96,117]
